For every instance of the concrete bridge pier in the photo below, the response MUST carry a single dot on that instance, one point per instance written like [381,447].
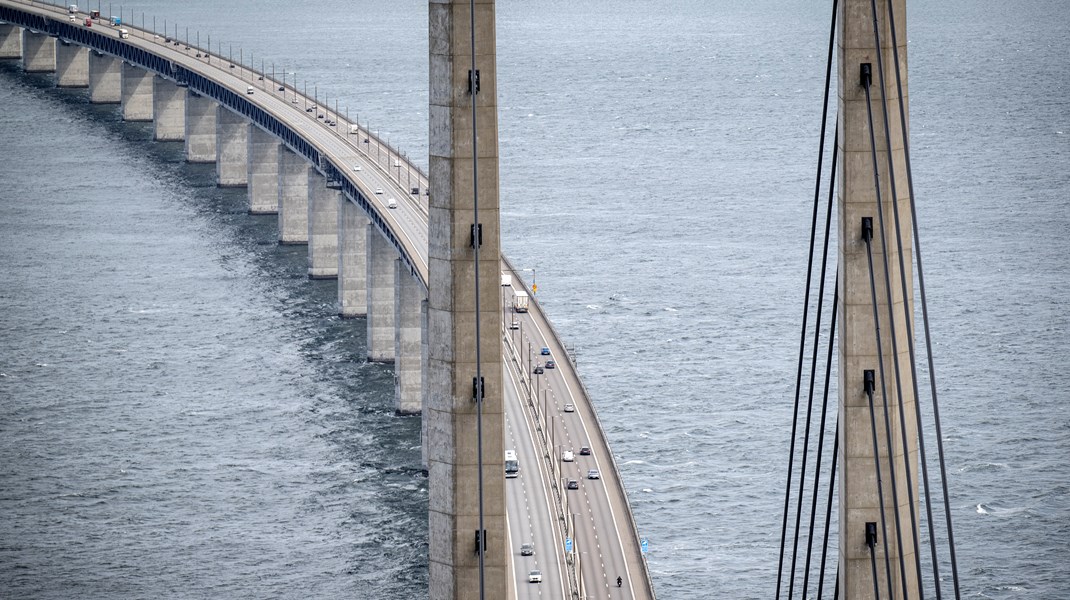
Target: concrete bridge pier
[105,79]
[169,110]
[381,258]
[72,65]
[322,227]
[232,149]
[410,330]
[352,259]
[136,93]
[263,176]
[293,197]
[38,52]
[10,41]
[200,128]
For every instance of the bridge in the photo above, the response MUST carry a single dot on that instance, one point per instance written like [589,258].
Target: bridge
[363,210]
[402,256]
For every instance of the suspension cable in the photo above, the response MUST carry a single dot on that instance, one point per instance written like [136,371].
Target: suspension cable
[867,235]
[824,410]
[802,336]
[928,342]
[475,245]
[828,512]
[871,533]
[891,309]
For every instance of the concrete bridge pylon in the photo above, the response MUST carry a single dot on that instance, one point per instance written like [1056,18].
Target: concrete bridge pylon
[451,412]
[866,481]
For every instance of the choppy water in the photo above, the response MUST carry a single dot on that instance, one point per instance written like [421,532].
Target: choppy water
[182,414]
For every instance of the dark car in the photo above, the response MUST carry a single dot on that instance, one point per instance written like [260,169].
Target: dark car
[550,364]
[585,450]
[538,370]
[573,484]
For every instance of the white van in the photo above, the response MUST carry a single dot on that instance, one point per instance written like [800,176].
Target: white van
[391,203]
[249,90]
[354,129]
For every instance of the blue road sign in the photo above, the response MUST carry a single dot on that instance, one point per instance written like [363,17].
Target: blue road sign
[644,545]
[568,544]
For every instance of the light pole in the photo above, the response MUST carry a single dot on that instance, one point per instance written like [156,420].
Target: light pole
[534,288]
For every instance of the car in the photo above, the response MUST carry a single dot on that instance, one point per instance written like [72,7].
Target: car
[282,88]
[550,364]
[527,549]
[570,407]
[294,101]
[567,456]
[593,474]
[391,203]
[545,351]
[378,191]
[538,370]
[535,576]
[573,484]
[308,110]
[515,324]
[585,450]
[357,168]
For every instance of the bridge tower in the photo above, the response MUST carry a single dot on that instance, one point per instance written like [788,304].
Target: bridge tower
[863,196]
[451,411]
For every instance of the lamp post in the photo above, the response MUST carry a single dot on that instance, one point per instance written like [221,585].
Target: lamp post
[534,288]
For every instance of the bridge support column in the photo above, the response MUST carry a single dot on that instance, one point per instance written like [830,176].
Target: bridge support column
[381,257]
[200,128]
[859,499]
[232,149]
[293,197]
[322,227]
[352,259]
[452,411]
[408,341]
[38,52]
[169,110]
[10,41]
[72,65]
[105,79]
[137,93]
[263,174]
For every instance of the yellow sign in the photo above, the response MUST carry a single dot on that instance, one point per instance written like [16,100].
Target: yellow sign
[534,288]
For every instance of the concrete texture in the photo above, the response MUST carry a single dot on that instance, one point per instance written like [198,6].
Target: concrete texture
[105,79]
[136,93]
[450,412]
[38,52]
[859,501]
[232,149]
[10,41]
[72,66]
[200,128]
[263,173]
[322,228]
[293,197]
[381,318]
[168,110]
[352,259]
[408,341]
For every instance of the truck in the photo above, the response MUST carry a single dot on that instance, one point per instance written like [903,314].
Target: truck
[354,129]
[520,302]
[507,279]
[512,464]
[94,14]
[124,33]
[116,21]
[73,8]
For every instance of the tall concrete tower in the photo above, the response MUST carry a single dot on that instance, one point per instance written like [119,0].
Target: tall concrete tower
[454,237]
[859,500]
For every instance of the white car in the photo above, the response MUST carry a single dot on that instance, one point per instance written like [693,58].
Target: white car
[570,407]
[357,168]
[535,576]
[593,474]
[391,203]
[378,191]
[514,325]
[568,456]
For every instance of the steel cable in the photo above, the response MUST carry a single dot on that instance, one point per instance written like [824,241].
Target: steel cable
[891,309]
[928,344]
[802,337]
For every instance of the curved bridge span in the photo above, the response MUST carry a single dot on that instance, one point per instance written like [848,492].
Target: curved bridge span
[362,209]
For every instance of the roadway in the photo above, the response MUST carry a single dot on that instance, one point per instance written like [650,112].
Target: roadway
[539,509]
